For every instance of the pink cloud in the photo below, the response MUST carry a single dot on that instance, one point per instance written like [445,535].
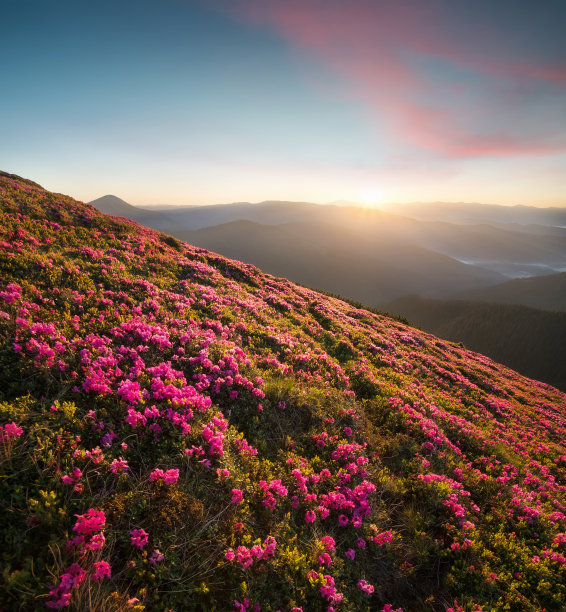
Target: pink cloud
[431,79]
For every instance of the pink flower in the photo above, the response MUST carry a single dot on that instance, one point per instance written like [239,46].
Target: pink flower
[324,559]
[118,466]
[256,551]
[71,579]
[97,541]
[383,538]
[310,516]
[366,587]
[343,520]
[237,496]
[156,557]
[323,512]
[93,520]
[350,554]
[329,543]
[168,477]
[101,570]
[157,474]
[63,601]
[171,476]
[130,391]
[269,546]
[360,543]
[245,558]
[10,430]
[139,538]
[230,555]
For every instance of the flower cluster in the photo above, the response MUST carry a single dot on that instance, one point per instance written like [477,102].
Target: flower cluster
[139,538]
[247,556]
[167,477]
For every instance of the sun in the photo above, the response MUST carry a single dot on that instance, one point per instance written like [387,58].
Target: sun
[371,196]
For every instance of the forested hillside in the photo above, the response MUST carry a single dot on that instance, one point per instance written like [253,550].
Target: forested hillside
[526,339]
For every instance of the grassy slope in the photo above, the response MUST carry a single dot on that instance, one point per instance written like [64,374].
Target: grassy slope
[427,471]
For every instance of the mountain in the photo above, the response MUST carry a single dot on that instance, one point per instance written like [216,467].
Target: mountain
[480,244]
[183,431]
[505,251]
[529,340]
[174,218]
[265,213]
[464,212]
[545,292]
[341,261]
[112,205]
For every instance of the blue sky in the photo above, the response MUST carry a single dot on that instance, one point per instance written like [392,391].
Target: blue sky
[207,102]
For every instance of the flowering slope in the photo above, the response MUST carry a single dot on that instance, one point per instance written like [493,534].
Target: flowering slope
[180,431]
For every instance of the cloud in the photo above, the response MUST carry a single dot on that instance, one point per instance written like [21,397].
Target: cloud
[490,82]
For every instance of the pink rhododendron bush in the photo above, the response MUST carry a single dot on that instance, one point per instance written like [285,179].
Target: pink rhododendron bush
[179,431]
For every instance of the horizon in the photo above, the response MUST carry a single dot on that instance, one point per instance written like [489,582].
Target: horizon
[199,103]
[383,206]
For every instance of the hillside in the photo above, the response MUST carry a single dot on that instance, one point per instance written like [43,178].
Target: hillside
[181,431]
[341,260]
[547,292]
[526,339]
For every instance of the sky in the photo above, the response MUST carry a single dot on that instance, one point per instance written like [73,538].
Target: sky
[216,101]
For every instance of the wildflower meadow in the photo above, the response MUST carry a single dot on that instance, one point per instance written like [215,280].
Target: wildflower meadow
[179,431]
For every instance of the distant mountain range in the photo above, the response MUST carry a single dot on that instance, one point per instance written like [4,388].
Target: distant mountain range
[400,254]
[464,212]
